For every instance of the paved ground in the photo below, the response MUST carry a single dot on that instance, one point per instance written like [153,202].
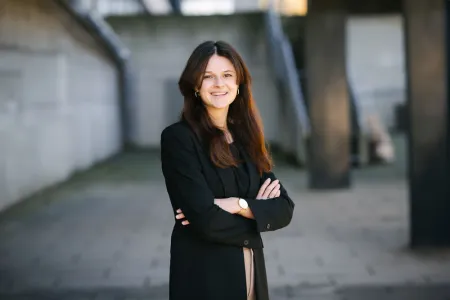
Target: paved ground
[105,235]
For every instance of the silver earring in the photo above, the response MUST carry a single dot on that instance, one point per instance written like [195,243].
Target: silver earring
[196,94]
[238,91]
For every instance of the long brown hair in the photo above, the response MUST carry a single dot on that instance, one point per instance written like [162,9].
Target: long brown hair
[243,120]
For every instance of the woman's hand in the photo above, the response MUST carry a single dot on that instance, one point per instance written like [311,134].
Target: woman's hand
[269,190]
[230,205]
[180,216]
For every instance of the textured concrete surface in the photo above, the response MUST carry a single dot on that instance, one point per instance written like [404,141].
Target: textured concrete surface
[59,105]
[105,235]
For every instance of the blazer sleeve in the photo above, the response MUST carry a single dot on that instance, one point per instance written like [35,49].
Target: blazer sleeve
[188,190]
[272,214]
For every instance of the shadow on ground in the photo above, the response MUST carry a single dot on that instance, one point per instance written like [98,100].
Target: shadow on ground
[365,292]
[370,292]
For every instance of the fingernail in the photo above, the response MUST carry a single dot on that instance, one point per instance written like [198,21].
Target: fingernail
[179,210]
[268,179]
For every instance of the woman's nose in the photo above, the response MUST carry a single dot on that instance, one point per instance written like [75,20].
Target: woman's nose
[219,81]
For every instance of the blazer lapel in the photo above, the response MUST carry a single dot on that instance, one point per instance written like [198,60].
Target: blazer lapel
[226,176]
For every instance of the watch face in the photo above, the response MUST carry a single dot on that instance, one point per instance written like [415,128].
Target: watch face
[243,204]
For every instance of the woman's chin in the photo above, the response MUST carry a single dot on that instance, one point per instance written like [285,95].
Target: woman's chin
[220,104]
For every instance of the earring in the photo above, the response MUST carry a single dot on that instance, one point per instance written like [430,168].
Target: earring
[196,94]
[238,91]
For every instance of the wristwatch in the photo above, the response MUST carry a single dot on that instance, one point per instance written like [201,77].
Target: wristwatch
[242,203]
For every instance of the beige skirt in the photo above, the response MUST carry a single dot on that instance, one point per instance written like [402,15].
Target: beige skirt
[249,273]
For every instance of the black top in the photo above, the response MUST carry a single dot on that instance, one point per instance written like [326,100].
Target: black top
[241,171]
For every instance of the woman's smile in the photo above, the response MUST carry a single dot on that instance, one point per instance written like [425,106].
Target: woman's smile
[219,94]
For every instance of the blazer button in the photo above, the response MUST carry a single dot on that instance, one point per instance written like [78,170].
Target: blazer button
[246,242]
[268,226]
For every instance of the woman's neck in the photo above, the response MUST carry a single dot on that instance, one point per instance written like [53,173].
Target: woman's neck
[219,118]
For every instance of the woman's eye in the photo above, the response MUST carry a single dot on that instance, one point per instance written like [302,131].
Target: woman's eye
[207,76]
[228,75]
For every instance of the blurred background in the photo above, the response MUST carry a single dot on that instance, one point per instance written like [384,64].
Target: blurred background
[355,104]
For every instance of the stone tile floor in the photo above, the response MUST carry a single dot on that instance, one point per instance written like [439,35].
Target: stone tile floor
[105,233]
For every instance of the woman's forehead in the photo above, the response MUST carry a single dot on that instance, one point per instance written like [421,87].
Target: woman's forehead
[219,64]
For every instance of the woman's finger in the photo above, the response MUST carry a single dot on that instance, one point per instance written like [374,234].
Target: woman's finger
[179,210]
[185,222]
[269,189]
[274,192]
[180,216]
[278,194]
[263,188]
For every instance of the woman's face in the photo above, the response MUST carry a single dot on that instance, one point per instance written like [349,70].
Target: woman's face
[219,85]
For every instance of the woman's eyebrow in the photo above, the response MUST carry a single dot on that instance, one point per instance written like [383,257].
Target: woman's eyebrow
[222,71]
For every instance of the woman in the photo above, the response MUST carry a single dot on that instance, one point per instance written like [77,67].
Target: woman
[219,180]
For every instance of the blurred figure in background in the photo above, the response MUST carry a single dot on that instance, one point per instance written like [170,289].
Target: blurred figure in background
[381,145]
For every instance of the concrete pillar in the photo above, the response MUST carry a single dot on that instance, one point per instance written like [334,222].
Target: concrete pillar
[426,39]
[327,94]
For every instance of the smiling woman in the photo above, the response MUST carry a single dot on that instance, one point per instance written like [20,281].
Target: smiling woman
[218,176]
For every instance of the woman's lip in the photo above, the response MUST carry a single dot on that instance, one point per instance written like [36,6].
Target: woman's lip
[219,94]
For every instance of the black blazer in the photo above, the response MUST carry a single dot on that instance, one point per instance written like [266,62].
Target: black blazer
[207,260]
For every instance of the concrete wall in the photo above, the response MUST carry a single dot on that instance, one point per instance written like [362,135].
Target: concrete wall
[58,98]
[376,63]
[160,48]
[375,60]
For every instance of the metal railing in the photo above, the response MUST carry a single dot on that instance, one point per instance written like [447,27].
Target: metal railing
[295,127]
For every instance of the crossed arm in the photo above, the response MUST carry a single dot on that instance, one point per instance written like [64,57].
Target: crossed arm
[268,190]
[218,220]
